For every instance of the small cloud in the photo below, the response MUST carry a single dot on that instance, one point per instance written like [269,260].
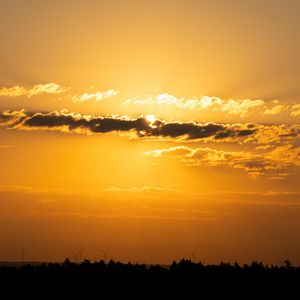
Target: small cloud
[14,91]
[5,146]
[99,96]
[241,107]
[48,88]
[173,151]
[274,110]
[140,189]
[295,110]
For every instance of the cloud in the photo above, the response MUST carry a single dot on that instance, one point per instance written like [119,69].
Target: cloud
[238,107]
[54,88]
[13,91]
[138,189]
[274,110]
[141,127]
[67,122]
[48,88]
[178,151]
[10,119]
[99,96]
[273,162]
[241,107]
[295,110]
[16,91]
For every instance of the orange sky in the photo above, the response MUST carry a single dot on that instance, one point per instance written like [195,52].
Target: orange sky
[155,129]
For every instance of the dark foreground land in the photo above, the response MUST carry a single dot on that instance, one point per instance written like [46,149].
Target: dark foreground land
[182,280]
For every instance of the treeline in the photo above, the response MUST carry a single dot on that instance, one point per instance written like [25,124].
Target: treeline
[182,280]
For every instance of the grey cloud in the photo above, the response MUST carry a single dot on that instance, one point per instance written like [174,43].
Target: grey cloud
[159,128]
[143,128]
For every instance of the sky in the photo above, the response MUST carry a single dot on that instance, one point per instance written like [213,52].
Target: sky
[150,130]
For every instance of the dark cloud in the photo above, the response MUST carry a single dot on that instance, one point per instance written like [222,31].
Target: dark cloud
[66,121]
[246,132]
[54,120]
[97,124]
[4,118]
[191,130]
[115,124]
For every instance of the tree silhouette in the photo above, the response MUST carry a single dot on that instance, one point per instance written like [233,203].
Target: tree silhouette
[181,280]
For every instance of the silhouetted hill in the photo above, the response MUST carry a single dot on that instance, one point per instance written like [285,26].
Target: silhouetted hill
[182,280]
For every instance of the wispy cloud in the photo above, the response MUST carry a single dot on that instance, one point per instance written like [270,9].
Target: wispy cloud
[48,88]
[241,107]
[98,96]
[13,91]
[136,189]
[5,146]
[295,110]
[275,162]
[274,110]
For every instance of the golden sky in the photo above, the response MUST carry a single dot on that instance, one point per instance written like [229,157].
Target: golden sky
[153,129]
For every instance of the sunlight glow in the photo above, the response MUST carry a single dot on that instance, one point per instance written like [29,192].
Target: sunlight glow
[150,118]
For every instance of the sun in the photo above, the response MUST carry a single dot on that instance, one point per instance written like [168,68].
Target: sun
[150,118]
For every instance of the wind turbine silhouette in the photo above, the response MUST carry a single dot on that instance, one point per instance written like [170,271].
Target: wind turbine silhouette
[78,256]
[23,251]
[105,254]
[193,256]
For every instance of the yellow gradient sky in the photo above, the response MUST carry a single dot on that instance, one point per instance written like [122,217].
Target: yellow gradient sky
[155,130]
